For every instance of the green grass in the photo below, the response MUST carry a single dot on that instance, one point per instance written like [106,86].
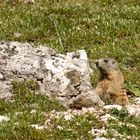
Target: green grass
[27,107]
[125,125]
[24,100]
[104,28]
[21,118]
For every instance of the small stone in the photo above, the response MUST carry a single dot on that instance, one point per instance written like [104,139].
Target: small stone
[17,35]
[36,126]
[134,110]
[137,101]
[98,132]
[106,117]
[33,111]
[4,119]
[68,117]
[109,107]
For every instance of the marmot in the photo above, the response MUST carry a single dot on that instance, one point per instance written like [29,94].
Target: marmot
[111,82]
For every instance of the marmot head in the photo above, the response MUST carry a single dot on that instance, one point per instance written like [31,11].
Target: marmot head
[107,65]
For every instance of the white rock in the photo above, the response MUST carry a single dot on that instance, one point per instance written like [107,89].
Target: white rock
[68,117]
[4,119]
[133,110]
[137,101]
[17,35]
[98,132]
[18,113]
[106,117]
[60,127]
[33,111]
[36,126]
[59,76]
[108,107]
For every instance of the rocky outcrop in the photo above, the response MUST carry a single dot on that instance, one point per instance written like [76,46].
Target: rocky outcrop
[65,78]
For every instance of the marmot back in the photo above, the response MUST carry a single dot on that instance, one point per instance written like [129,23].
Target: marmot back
[111,82]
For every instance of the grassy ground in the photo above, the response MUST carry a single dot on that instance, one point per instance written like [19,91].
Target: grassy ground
[104,28]
[29,108]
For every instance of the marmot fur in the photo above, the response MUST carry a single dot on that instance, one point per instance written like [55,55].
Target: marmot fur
[111,82]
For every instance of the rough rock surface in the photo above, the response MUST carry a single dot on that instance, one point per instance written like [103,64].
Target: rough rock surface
[65,78]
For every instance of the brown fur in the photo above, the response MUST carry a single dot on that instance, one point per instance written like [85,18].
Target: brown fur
[111,82]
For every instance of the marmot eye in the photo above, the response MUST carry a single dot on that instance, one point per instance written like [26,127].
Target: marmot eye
[113,62]
[105,60]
